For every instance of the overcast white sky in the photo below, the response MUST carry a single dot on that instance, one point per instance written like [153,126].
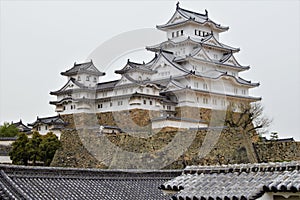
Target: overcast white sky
[38,40]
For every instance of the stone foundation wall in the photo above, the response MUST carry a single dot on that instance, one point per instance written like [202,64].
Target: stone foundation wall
[273,151]
[85,147]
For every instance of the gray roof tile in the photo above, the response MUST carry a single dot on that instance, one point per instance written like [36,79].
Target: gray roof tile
[67,183]
[244,181]
[87,67]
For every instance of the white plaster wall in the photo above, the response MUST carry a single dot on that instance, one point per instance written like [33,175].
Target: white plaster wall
[285,195]
[164,70]
[5,159]
[90,82]
[6,143]
[176,124]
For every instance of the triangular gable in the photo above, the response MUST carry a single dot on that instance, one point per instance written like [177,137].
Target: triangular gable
[165,61]
[173,85]
[176,18]
[58,120]
[231,61]
[213,41]
[202,55]
[123,81]
[70,85]
[92,68]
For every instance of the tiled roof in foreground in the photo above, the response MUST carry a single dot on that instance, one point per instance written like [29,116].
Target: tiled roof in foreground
[17,182]
[244,181]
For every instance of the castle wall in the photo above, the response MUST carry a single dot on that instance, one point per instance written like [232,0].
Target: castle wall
[272,151]
[204,147]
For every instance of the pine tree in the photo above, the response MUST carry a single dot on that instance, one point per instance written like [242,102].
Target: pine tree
[48,147]
[19,154]
[33,147]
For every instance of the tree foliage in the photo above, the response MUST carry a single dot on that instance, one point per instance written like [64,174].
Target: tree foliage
[19,154]
[48,146]
[8,130]
[33,147]
[274,136]
[36,149]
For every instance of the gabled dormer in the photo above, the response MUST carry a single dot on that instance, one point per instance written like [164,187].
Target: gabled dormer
[189,23]
[85,73]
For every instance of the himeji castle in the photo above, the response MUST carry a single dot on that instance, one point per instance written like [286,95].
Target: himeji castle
[192,69]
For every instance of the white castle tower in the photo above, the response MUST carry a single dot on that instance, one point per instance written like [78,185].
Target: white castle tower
[192,68]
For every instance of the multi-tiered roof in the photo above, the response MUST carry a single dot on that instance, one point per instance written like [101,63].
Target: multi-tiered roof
[192,64]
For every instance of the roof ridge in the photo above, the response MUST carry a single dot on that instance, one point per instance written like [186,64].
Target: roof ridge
[193,12]
[5,167]
[256,167]
[87,62]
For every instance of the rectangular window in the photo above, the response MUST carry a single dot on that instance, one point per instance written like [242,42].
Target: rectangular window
[235,90]
[196,84]
[244,92]
[87,78]
[100,106]
[46,127]
[79,79]
[215,101]
[177,33]
[205,87]
[110,104]
[223,103]
[144,101]
[95,79]
[196,31]
[181,32]
[173,34]
[205,100]
[120,103]
[169,107]
[150,102]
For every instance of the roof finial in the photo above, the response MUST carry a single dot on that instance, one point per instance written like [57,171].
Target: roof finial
[128,60]
[206,13]
[177,5]
[74,63]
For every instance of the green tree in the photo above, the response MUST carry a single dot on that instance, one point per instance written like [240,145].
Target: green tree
[19,154]
[274,136]
[33,147]
[8,130]
[48,146]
